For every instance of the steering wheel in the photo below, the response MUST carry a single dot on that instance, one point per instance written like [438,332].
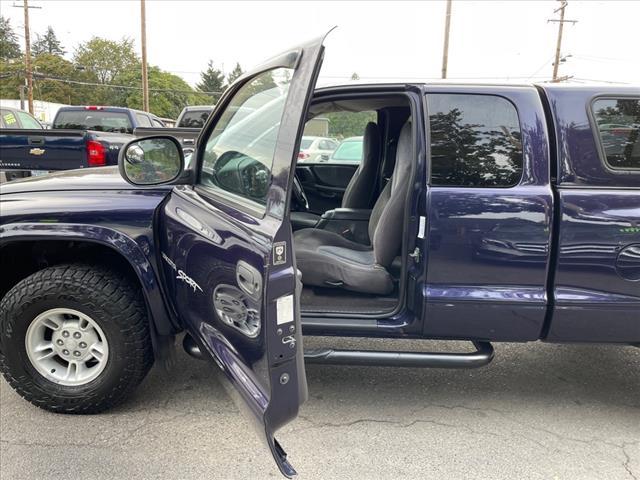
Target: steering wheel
[299,195]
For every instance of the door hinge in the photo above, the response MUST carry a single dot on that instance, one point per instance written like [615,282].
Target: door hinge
[416,255]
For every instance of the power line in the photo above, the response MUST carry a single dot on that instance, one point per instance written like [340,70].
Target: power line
[125,87]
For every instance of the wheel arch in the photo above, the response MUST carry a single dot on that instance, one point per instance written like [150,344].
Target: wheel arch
[44,245]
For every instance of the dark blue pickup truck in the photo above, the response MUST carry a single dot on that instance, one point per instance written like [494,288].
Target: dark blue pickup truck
[478,213]
[81,137]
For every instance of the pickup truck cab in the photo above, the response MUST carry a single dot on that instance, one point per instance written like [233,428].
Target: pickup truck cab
[194,116]
[85,136]
[484,213]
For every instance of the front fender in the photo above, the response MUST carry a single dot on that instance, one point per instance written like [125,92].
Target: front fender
[135,253]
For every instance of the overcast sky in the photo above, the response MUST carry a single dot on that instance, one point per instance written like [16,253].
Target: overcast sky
[381,41]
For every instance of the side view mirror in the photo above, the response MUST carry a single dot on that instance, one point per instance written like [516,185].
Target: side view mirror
[153,160]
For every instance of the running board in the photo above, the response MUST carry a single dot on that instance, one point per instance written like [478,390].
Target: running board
[482,356]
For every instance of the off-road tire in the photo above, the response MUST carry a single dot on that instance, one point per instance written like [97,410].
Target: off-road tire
[111,300]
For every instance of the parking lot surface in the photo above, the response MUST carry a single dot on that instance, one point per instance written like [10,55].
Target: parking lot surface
[537,412]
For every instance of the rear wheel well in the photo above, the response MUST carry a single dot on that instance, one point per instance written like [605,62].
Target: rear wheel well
[22,258]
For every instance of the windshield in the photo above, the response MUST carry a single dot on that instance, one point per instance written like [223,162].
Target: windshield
[306,143]
[349,150]
[194,118]
[94,120]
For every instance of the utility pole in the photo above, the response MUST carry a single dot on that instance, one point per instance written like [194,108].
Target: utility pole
[145,79]
[445,51]
[561,22]
[27,54]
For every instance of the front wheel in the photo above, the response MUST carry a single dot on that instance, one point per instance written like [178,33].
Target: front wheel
[74,338]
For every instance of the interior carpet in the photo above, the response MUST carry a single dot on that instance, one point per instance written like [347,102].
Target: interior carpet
[333,300]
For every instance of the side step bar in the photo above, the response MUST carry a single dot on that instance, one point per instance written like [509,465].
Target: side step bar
[482,356]
[327,356]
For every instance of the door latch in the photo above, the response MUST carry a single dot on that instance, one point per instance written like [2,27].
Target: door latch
[416,255]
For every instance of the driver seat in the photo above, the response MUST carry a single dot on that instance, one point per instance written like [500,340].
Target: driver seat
[327,259]
[360,190]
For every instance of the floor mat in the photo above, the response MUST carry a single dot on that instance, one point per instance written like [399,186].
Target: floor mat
[330,300]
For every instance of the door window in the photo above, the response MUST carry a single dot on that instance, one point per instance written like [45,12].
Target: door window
[475,141]
[618,122]
[239,152]
[347,127]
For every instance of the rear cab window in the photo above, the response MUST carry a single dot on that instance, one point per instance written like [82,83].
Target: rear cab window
[98,120]
[143,120]
[617,124]
[475,141]
[28,122]
[194,118]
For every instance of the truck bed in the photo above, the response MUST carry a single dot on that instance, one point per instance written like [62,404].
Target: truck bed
[22,149]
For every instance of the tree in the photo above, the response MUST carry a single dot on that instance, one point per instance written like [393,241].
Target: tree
[349,124]
[9,47]
[47,43]
[168,93]
[106,59]
[235,73]
[49,69]
[212,80]
[355,76]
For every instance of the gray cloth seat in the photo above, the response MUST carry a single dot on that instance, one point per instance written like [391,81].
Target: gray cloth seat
[360,190]
[326,259]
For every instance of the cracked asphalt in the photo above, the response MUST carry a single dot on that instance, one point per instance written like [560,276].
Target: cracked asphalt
[537,412]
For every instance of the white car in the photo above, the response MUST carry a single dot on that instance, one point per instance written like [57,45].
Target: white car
[316,149]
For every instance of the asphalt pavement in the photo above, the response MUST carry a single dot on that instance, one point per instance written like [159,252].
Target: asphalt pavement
[537,412]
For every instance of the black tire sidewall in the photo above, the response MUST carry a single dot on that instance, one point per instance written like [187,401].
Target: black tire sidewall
[87,300]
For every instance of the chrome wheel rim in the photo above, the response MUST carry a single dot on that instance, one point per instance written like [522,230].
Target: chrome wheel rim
[66,347]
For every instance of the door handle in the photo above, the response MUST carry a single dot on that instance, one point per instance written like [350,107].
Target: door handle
[249,279]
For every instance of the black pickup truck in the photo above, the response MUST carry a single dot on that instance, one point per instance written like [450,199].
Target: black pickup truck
[85,136]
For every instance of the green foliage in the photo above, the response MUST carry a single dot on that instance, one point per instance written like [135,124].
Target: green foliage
[106,59]
[349,124]
[49,65]
[212,80]
[234,74]
[112,64]
[11,77]
[47,43]
[174,95]
[9,46]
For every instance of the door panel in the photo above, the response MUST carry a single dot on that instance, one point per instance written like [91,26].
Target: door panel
[597,280]
[325,184]
[227,251]
[488,246]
